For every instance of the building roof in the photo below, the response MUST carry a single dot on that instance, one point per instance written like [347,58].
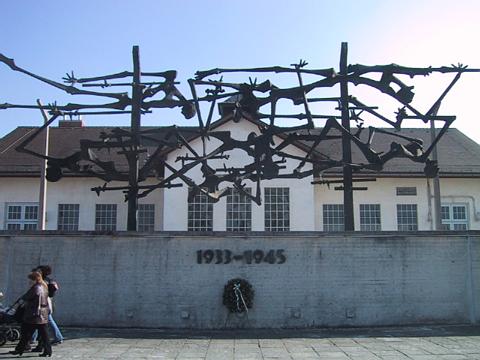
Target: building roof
[65,141]
[458,155]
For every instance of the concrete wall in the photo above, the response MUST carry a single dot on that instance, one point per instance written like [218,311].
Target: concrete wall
[342,279]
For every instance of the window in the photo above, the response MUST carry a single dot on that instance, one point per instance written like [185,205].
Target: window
[106,217]
[146,217]
[407,191]
[200,213]
[407,219]
[68,215]
[454,217]
[277,209]
[239,211]
[22,216]
[370,217]
[333,218]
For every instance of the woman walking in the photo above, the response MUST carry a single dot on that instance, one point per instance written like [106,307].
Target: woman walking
[35,316]
[52,285]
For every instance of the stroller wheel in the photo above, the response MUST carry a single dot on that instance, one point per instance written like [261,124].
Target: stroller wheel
[3,338]
[13,334]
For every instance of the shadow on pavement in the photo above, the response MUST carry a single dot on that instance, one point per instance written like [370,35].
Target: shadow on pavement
[405,332]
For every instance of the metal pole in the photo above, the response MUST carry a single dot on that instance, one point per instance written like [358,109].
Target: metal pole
[42,198]
[132,156]
[437,203]
[346,145]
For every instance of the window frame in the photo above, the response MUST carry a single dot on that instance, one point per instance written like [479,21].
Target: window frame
[371,215]
[238,212]
[68,226]
[451,221]
[22,222]
[407,226]
[106,226]
[277,213]
[200,213]
[142,224]
[331,213]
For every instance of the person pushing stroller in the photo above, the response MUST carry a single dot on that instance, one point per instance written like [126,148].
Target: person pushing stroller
[35,317]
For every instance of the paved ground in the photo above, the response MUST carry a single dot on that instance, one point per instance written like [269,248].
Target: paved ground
[417,343]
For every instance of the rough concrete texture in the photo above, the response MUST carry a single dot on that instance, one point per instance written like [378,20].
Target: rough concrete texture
[155,280]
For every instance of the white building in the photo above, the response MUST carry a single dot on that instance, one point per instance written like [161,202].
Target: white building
[400,199]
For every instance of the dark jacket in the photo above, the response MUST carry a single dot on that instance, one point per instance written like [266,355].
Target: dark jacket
[36,305]
[52,286]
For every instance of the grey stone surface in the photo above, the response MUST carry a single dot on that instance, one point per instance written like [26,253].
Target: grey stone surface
[406,343]
[336,279]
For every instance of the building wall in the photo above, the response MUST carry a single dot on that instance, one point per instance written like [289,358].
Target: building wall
[306,206]
[306,200]
[73,191]
[326,279]
[383,192]
[301,191]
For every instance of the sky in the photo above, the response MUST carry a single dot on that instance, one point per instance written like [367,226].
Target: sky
[92,37]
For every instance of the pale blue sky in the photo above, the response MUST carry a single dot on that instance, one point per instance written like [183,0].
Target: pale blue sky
[93,38]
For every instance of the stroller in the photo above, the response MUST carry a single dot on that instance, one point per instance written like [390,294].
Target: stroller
[10,317]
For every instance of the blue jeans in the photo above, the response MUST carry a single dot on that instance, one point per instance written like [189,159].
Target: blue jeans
[56,331]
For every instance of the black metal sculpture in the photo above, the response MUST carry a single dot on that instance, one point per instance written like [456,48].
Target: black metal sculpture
[265,149]
[128,141]
[251,97]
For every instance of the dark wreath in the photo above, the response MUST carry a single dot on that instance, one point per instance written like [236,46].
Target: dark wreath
[238,295]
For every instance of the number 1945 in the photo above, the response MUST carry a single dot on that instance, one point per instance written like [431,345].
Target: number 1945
[218,256]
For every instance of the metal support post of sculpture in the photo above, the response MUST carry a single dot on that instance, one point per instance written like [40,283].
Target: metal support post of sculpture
[265,151]
[346,145]
[133,158]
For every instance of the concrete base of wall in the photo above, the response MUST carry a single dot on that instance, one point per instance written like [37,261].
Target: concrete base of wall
[176,280]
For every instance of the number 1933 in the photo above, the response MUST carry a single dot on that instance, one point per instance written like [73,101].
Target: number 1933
[218,256]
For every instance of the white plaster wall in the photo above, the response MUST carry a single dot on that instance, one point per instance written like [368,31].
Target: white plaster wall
[74,191]
[463,191]
[383,192]
[306,200]
[18,190]
[302,207]
[77,191]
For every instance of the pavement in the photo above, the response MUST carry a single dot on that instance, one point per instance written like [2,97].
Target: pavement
[386,343]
